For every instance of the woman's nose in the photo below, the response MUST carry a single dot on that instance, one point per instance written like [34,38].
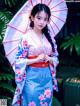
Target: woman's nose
[42,21]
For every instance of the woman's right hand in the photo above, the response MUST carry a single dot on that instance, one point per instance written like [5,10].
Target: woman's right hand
[41,57]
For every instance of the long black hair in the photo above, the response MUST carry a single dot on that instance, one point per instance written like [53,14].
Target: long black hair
[36,9]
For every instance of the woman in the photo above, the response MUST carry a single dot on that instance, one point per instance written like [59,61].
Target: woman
[38,52]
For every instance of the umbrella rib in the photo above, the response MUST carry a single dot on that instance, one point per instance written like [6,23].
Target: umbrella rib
[36,1]
[24,12]
[16,29]
[60,10]
[58,18]
[11,51]
[26,29]
[31,3]
[11,41]
[55,25]
[57,4]
[52,29]
[49,2]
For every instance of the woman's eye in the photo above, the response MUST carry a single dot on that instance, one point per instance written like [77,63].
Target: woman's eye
[38,18]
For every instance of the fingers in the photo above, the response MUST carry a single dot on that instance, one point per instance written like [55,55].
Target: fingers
[43,57]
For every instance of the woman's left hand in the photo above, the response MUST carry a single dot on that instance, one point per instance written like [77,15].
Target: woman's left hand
[48,59]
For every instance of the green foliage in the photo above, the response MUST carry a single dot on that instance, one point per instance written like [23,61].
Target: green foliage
[4,76]
[12,3]
[72,42]
[5,17]
[7,87]
[56,102]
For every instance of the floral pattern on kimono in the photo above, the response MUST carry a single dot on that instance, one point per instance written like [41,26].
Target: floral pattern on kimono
[44,97]
[20,73]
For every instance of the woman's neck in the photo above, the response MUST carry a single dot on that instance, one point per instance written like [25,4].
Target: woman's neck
[38,32]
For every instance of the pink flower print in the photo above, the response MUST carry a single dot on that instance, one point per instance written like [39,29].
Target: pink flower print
[19,101]
[45,104]
[18,90]
[24,53]
[24,75]
[53,73]
[55,87]
[18,71]
[41,103]
[41,97]
[47,93]
[19,79]
[32,104]
[24,43]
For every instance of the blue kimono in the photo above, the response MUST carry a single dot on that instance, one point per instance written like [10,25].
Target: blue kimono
[35,85]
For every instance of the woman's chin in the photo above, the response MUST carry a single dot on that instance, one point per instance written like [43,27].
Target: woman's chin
[40,28]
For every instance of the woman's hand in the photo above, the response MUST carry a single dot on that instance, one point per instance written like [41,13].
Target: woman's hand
[45,58]
[41,57]
[48,59]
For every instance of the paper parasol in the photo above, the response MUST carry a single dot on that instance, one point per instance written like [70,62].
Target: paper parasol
[20,24]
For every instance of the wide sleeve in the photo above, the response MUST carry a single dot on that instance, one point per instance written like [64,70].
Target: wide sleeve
[55,54]
[53,66]
[19,69]
[21,55]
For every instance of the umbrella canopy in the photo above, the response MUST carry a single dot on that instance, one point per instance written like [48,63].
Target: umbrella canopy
[19,25]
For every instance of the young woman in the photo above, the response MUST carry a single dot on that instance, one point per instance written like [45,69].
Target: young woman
[37,52]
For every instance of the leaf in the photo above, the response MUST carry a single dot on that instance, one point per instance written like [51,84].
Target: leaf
[5,17]
[4,76]
[71,49]
[72,42]
[56,102]
[12,3]
[4,97]
[8,87]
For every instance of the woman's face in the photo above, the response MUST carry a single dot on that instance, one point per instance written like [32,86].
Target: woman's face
[40,20]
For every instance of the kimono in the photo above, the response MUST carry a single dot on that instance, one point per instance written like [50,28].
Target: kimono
[35,86]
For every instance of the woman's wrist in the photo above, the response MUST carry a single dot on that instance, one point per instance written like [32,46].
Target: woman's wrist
[50,60]
[31,61]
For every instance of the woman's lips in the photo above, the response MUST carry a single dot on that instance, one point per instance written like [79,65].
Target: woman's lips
[41,26]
